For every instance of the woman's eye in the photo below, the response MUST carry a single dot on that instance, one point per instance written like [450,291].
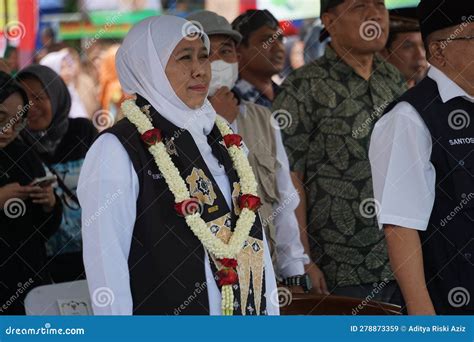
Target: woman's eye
[204,56]
[186,57]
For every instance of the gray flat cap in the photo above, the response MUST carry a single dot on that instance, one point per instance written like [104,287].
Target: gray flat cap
[213,24]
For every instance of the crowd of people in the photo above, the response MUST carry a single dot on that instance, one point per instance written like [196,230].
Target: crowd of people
[200,153]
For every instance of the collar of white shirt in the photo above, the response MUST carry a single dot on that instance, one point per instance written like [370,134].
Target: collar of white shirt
[448,90]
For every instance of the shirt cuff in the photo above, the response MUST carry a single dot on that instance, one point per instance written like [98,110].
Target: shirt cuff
[403,222]
[292,269]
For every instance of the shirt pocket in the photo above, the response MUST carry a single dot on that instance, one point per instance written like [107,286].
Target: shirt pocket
[265,166]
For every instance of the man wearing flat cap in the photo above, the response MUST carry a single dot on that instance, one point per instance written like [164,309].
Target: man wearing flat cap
[422,162]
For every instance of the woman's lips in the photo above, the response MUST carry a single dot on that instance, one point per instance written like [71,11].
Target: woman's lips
[201,88]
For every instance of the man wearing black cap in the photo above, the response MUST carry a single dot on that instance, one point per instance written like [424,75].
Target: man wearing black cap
[405,48]
[261,56]
[423,169]
[334,103]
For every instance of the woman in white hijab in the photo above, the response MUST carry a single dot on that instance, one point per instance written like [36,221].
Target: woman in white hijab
[169,201]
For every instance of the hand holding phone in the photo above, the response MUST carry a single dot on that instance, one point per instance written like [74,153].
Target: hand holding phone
[44,182]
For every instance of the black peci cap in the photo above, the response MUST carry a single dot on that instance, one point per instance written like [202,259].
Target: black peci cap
[435,15]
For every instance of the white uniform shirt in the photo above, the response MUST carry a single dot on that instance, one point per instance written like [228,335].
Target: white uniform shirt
[108,191]
[400,150]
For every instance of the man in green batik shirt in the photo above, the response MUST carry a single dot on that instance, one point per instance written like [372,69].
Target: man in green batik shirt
[334,103]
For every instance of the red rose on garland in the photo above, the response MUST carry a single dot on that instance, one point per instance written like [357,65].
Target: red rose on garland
[188,207]
[152,136]
[250,202]
[227,276]
[232,140]
[230,263]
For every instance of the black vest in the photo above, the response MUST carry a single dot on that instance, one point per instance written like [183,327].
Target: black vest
[448,242]
[166,261]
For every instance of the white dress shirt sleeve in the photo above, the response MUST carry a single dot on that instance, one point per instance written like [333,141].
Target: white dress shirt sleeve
[291,257]
[108,191]
[403,176]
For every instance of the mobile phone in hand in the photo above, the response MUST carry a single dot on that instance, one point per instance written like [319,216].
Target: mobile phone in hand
[44,182]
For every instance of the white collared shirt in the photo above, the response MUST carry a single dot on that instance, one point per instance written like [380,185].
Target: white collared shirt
[400,151]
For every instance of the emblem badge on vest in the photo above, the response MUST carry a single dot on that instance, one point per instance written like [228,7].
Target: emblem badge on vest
[201,187]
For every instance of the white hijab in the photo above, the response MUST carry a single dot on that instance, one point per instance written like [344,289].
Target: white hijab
[141,61]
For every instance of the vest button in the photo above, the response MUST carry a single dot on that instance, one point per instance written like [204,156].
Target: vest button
[468,256]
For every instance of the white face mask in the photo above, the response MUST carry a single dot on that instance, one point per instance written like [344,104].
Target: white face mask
[223,75]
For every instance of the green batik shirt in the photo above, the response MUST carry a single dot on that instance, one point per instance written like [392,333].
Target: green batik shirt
[332,112]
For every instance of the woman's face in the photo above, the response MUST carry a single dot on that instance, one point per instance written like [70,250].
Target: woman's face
[40,114]
[11,119]
[69,69]
[189,72]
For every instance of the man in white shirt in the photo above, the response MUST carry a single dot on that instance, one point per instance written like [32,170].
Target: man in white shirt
[423,169]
